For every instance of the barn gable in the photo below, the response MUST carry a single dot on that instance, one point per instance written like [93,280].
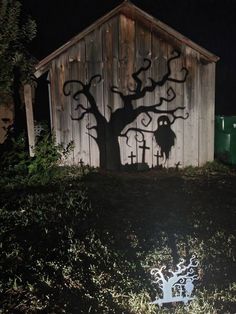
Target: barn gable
[131,11]
[131,92]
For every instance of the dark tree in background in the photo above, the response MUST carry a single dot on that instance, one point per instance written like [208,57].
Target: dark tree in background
[16,64]
[108,132]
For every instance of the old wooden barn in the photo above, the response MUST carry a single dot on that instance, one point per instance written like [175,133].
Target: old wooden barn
[130,92]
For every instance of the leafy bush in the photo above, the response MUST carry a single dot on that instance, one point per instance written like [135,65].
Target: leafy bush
[14,155]
[209,168]
[216,166]
[43,167]
[17,166]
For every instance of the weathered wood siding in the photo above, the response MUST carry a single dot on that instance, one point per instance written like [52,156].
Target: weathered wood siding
[115,50]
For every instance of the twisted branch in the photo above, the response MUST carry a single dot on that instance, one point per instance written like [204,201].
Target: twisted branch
[115,90]
[89,128]
[144,109]
[179,117]
[95,77]
[140,131]
[68,93]
[136,74]
[143,120]
[139,91]
[85,90]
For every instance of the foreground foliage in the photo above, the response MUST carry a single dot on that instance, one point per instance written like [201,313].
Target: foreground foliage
[17,167]
[16,31]
[65,250]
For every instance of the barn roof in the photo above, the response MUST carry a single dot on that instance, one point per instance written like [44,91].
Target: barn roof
[130,10]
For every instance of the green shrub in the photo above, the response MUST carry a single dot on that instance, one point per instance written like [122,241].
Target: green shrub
[14,155]
[215,166]
[209,168]
[43,167]
[18,167]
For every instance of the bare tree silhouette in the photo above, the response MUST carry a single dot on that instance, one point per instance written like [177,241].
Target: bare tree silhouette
[108,132]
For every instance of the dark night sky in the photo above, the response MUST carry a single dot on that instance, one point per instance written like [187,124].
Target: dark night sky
[209,23]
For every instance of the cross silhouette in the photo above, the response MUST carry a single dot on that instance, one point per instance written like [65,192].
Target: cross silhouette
[177,165]
[81,162]
[144,148]
[158,157]
[132,156]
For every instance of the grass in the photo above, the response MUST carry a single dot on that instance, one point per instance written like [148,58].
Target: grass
[86,244]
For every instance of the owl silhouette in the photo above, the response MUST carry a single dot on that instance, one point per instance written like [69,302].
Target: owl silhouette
[189,287]
[164,136]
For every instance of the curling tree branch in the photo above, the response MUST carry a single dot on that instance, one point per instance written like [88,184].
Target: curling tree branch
[127,114]
[140,91]
[84,89]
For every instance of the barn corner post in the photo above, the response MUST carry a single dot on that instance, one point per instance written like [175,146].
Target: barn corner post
[28,98]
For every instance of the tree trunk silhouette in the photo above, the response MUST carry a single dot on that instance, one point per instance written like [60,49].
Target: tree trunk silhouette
[109,148]
[113,160]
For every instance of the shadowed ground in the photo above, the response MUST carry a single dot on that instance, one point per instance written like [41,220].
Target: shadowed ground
[86,244]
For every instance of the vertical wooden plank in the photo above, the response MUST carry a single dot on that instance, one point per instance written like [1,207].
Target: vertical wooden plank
[80,136]
[211,111]
[191,140]
[159,68]
[54,99]
[107,59]
[117,102]
[144,51]
[155,54]
[58,102]
[126,61]
[69,101]
[29,117]
[164,54]
[94,67]
[110,59]
[187,105]
[203,113]
[61,130]
[171,106]
[195,143]
[177,151]
[180,122]
[72,103]
[98,91]
[66,112]
[50,99]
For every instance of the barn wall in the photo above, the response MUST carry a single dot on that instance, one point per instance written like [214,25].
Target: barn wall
[116,50]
